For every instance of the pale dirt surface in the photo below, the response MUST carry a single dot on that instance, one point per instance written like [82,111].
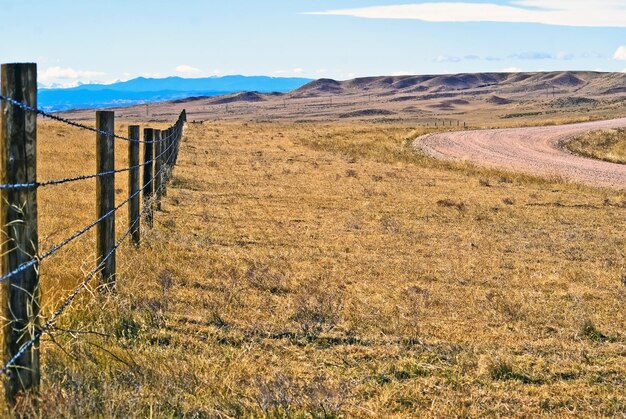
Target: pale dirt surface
[536,150]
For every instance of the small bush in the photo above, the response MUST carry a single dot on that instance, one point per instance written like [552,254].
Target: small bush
[503,371]
[448,203]
[317,311]
[266,278]
[590,331]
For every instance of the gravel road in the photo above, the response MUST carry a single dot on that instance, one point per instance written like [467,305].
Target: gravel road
[536,150]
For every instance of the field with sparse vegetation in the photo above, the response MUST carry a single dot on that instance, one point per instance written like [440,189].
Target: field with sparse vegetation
[609,145]
[328,270]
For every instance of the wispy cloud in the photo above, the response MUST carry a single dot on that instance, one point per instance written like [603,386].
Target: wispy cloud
[402,73]
[564,56]
[620,54]
[66,76]
[531,55]
[583,13]
[539,55]
[447,59]
[187,69]
[294,71]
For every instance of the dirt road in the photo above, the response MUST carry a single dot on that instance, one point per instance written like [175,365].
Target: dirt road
[535,150]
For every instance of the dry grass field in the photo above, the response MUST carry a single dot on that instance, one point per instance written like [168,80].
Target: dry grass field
[327,270]
[609,145]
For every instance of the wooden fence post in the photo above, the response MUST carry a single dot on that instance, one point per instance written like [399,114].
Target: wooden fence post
[148,173]
[134,220]
[158,175]
[170,152]
[179,134]
[165,150]
[18,219]
[105,196]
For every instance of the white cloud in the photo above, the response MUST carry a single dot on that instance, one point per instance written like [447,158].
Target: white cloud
[297,71]
[586,13]
[533,55]
[538,55]
[153,75]
[447,59]
[187,69]
[402,73]
[66,77]
[511,70]
[593,55]
[564,55]
[620,54]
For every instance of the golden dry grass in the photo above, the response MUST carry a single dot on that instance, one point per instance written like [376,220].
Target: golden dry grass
[325,270]
[609,145]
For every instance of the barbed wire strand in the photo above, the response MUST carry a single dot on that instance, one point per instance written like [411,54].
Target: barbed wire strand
[82,177]
[67,121]
[46,327]
[79,233]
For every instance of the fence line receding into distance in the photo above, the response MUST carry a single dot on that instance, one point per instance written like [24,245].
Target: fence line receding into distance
[19,270]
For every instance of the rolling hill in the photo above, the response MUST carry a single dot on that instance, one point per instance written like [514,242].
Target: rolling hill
[421,99]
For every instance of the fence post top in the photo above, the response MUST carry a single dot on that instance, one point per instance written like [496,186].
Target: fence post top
[19,64]
[105,113]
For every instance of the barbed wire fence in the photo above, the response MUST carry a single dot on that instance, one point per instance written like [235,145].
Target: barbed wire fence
[21,258]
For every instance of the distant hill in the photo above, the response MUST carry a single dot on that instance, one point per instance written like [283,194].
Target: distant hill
[584,83]
[146,90]
[422,99]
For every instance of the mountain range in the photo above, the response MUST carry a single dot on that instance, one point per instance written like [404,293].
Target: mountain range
[147,90]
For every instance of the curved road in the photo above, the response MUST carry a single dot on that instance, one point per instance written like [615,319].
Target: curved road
[535,150]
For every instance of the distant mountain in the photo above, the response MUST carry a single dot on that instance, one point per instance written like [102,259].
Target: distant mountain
[146,90]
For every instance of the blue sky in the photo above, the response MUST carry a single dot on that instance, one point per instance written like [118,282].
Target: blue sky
[79,41]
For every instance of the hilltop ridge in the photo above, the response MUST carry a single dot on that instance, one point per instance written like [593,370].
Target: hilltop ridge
[422,99]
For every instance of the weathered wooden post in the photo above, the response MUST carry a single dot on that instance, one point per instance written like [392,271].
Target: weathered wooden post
[158,175]
[170,153]
[18,218]
[165,150]
[148,173]
[133,184]
[179,135]
[105,196]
